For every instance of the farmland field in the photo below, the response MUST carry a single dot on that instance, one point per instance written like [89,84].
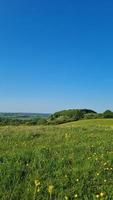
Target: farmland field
[63,162]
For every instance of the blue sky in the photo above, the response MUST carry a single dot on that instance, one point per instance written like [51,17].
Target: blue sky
[56,55]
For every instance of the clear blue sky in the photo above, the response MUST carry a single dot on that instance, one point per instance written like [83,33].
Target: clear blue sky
[56,54]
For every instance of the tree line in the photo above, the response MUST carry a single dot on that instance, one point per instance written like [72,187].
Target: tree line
[58,117]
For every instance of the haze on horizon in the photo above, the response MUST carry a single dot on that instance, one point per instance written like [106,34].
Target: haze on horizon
[56,55]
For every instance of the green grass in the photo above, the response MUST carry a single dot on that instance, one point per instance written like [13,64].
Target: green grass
[70,161]
[90,122]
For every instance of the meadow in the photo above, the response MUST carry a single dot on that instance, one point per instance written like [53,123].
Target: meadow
[60,162]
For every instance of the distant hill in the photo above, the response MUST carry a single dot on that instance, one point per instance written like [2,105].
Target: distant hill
[24,115]
[23,118]
[59,117]
[69,115]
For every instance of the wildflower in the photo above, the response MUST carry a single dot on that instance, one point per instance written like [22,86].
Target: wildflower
[50,189]
[105,163]
[38,189]
[101,194]
[66,198]
[37,183]
[66,135]
[105,181]
[97,196]
[76,195]
[97,174]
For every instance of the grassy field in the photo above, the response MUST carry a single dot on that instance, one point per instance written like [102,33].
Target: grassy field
[70,161]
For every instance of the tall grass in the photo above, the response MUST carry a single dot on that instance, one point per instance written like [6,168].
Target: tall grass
[58,163]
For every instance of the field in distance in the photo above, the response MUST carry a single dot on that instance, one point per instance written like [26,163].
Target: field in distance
[62,162]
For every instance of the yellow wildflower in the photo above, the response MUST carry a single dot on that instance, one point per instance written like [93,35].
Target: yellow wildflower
[50,189]
[37,183]
[66,135]
[97,196]
[38,189]
[76,195]
[101,194]
[105,163]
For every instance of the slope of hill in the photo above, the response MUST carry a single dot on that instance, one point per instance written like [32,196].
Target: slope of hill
[69,115]
[89,122]
[63,162]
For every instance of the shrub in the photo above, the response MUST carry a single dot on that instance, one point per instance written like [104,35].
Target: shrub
[90,116]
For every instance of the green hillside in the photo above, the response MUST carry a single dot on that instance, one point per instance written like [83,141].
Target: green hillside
[70,161]
[70,115]
[90,122]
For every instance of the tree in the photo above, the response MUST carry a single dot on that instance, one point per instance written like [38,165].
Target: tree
[108,114]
